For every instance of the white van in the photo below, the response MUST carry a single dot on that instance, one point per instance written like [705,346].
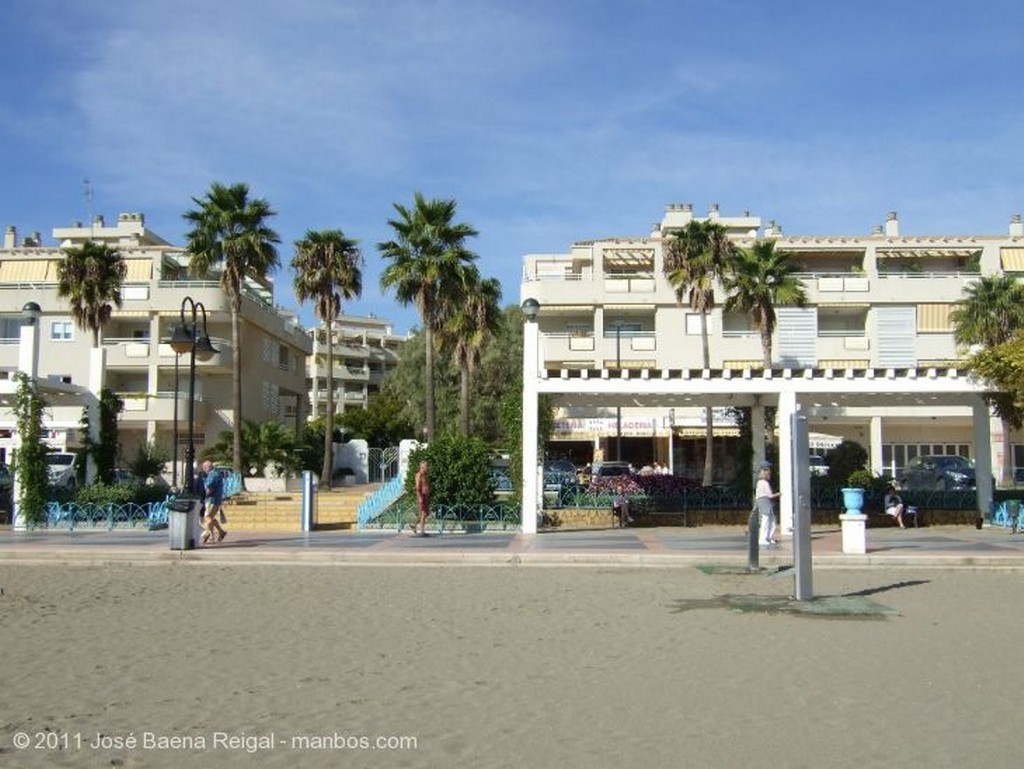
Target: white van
[62,466]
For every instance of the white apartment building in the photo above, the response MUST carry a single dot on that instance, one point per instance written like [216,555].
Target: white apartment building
[140,365]
[878,302]
[364,350]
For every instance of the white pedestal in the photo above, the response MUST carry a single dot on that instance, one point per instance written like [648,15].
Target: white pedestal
[854,533]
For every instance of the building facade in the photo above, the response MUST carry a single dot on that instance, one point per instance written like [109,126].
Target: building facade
[876,302]
[364,351]
[140,365]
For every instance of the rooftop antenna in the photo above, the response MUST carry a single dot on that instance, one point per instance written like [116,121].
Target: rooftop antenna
[88,205]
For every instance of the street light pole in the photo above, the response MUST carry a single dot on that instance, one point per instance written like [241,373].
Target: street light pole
[188,338]
[174,466]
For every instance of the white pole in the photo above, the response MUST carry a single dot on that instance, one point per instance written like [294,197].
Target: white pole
[531,487]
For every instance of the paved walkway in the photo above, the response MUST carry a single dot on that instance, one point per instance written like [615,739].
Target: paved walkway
[942,546]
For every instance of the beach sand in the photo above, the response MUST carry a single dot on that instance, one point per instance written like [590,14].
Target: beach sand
[289,665]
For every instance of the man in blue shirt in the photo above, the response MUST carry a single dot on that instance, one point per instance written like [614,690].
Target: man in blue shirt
[214,487]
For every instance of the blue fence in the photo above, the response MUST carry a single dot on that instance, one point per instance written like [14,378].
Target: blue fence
[379,501]
[468,518]
[151,515]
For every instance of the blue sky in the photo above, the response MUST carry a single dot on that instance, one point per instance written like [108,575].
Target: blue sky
[548,121]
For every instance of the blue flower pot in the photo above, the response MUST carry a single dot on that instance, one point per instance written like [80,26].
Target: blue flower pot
[853,500]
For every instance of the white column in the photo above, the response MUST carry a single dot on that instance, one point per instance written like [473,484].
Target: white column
[982,454]
[784,475]
[875,455]
[531,487]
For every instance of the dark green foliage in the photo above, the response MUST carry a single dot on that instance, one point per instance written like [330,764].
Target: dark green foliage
[264,444]
[149,461]
[382,423]
[30,460]
[459,471]
[844,459]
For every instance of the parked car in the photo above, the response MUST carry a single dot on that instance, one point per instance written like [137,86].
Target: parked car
[938,473]
[62,467]
[612,469]
[817,464]
[558,473]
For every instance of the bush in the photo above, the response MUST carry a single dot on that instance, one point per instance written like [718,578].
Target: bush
[459,471]
[844,459]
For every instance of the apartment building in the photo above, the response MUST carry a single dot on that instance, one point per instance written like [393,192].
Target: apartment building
[878,302]
[140,365]
[364,350]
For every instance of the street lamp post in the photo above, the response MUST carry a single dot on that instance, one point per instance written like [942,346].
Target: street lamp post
[174,465]
[188,337]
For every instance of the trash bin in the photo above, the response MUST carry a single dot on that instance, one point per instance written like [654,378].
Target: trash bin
[182,515]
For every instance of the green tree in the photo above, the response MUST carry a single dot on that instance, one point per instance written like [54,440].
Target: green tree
[471,322]
[695,258]
[756,281]
[149,461]
[230,234]
[90,278]
[382,423]
[105,450]
[327,270]
[426,259]
[264,445]
[990,314]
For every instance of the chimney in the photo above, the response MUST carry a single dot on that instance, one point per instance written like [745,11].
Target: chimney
[877,230]
[11,236]
[892,225]
[1016,226]
[98,221]
[773,230]
[713,211]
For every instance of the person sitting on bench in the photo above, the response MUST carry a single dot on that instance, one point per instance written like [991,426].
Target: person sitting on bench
[893,504]
[620,506]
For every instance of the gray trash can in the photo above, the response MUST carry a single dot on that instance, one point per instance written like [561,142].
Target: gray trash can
[182,515]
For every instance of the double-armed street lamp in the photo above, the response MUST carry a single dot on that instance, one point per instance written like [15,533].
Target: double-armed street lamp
[189,338]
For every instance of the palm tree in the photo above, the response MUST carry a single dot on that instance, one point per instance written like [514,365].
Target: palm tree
[991,313]
[474,318]
[427,258]
[759,279]
[327,270]
[695,258]
[90,277]
[230,232]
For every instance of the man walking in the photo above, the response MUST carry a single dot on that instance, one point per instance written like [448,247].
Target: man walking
[214,499]
[423,498]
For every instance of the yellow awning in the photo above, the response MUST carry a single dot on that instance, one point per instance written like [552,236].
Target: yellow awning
[1012,259]
[28,271]
[934,317]
[139,270]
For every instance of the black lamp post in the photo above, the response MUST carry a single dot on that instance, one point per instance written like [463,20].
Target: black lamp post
[188,337]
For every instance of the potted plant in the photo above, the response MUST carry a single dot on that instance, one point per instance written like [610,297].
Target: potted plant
[853,493]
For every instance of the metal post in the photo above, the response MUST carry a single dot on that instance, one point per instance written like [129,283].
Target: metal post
[618,409]
[753,537]
[801,486]
[174,466]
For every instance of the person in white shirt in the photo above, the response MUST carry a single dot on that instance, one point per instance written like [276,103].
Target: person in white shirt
[764,501]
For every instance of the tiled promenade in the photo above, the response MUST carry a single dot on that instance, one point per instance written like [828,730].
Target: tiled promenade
[944,547]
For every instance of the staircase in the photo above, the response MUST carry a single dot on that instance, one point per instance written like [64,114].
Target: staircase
[282,511]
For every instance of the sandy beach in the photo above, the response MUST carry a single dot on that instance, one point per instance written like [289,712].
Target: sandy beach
[203,664]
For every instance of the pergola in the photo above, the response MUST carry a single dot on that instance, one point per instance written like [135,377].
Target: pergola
[807,391]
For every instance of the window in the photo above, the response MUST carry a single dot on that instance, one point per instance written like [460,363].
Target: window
[62,331]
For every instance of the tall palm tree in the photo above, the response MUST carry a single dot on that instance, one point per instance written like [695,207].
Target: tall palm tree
[473,319]
[991,313]
[695,258]
[230,233]
[327,270]
[756,281]
[90,278]
[427,257]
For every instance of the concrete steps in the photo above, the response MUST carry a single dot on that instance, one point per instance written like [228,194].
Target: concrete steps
[282,511]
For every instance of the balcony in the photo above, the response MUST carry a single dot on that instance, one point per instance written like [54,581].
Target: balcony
[144,407]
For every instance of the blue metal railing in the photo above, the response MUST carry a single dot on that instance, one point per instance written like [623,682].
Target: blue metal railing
[468,518]
[153,515]
[375,504]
